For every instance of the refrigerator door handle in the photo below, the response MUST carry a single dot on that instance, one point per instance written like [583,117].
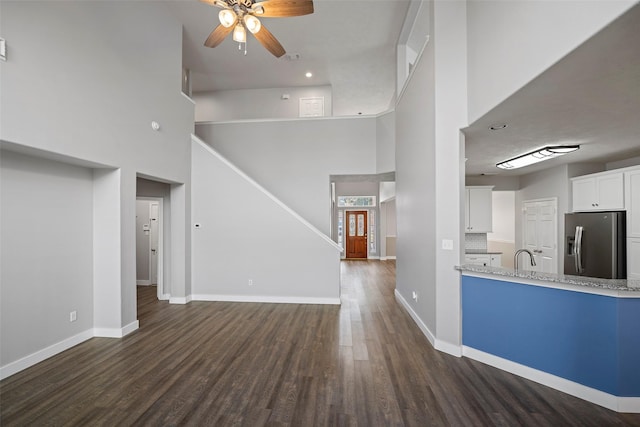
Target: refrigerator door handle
[578,250]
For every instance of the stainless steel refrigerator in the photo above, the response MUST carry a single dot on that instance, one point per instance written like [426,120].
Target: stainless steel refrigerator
[595,244]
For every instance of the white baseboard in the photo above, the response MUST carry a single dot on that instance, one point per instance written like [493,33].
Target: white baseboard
[609,401]
[425,330]
[180,300]
[164,297]
[447,347]
[116,332]
[386,258]
[266,299]
[45,353]
[52,350]
[143,282]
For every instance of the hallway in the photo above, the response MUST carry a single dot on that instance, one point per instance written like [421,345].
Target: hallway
[218,363]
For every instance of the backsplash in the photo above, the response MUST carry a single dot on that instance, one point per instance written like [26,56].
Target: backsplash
[475,241]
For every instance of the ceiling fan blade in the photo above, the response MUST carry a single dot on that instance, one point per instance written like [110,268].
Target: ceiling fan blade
[269,42]
[217,35]
[283,8]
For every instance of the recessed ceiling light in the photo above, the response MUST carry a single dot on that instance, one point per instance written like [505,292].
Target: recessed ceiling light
[498,126]
[309,74]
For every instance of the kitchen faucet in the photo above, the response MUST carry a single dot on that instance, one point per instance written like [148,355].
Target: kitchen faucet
[518,252]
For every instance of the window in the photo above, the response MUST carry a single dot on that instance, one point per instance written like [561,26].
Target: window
[356,201]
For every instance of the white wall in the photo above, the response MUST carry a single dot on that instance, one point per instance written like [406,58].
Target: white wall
[503,209]
[415,191]
[511,42]
[449,36]
[46,255]
[250,104]
[293,159]
[116,67]
[632,161]
[386,143]
[387,190]
[503,238]
[246,235]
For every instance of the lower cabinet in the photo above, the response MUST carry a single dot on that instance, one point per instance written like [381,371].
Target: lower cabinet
[486,260]
[633,258]
[496,260]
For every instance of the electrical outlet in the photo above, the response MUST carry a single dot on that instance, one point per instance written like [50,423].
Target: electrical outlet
[73,316]
[250,282]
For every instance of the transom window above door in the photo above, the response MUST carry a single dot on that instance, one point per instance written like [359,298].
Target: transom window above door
[356,201]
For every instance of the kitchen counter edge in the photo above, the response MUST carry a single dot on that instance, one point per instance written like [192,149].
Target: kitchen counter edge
[622,287]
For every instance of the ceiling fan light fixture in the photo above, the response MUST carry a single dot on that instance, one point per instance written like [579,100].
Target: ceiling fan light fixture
[545,153]
[252,23]
[226,17]
[239,34]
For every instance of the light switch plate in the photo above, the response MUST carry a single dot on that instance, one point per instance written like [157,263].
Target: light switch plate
[447,244]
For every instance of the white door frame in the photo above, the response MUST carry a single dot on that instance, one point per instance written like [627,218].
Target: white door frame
[160,254]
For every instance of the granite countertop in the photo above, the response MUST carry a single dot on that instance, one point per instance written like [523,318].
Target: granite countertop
[631,285]
[481,252]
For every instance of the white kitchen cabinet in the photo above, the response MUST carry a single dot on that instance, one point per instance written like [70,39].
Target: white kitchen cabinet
[633,258]
[478,259]
[598,192]
[496,260]
[632,202]
[486,260]
[478,217]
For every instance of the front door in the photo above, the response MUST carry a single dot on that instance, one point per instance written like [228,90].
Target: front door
[356,241]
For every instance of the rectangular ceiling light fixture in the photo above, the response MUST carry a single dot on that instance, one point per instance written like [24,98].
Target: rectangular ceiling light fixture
[545,153]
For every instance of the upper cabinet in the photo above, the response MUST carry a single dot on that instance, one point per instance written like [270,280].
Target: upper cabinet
[598,192]
[477,215]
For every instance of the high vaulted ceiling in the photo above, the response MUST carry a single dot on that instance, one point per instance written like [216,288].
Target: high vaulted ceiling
[348,44]
[591,97]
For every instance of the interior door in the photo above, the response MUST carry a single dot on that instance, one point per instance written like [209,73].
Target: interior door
[356,236]
[153,243]
[540,236]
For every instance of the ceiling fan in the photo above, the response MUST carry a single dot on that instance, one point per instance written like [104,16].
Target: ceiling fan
[241,15]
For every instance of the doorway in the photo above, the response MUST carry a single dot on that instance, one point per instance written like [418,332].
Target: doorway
[149,253]
[540,234]
[356,235]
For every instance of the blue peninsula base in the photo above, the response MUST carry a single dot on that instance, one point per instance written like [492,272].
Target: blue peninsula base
[589,340]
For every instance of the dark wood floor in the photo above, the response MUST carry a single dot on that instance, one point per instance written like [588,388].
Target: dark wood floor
[217,364]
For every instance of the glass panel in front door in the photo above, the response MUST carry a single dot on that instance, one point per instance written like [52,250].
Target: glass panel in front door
[360,225]
[352,225]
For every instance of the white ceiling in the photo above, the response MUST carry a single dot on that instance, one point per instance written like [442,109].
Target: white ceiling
[590,97]
[348,44]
